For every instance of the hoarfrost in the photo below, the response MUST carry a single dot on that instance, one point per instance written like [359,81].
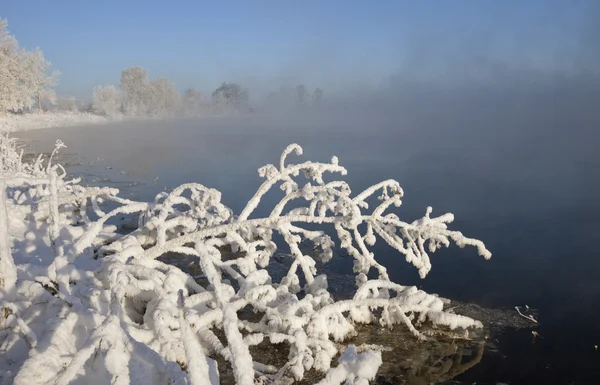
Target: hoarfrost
[81,301]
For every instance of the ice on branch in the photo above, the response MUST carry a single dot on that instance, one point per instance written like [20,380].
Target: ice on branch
[82,301]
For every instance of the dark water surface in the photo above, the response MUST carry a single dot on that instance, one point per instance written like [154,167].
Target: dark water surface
[527,185]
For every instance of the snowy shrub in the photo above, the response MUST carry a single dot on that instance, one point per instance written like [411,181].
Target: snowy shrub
[107,100]
[83,302]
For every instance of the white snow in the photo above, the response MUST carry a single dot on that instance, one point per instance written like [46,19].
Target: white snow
[32,121]
[82,303]
[50,119]
[354,368]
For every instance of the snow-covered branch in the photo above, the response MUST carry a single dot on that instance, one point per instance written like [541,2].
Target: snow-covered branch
[106,305]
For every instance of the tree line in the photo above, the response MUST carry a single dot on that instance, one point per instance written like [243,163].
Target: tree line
[137,95]
[26,82]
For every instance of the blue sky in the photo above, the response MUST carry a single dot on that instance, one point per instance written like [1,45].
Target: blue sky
[327,43]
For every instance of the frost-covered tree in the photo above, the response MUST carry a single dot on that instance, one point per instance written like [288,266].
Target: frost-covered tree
[107,100]
[164,100]
[144,97]
[39,82]
[134,82]
[24,78]
[12,90]
[230,96]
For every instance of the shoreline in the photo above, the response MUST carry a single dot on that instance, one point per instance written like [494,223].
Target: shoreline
[36,121]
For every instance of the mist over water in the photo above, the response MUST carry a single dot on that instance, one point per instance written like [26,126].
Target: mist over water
[492,157]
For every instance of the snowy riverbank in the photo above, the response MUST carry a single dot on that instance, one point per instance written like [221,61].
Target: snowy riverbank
[13,123]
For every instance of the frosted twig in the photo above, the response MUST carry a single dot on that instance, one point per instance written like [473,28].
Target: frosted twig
[529,317]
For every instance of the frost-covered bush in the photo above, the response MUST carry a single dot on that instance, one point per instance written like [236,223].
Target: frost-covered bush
[84,303]
[107,100]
